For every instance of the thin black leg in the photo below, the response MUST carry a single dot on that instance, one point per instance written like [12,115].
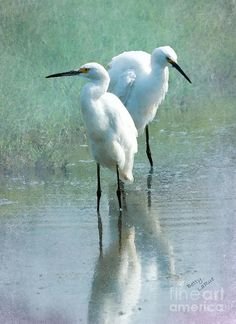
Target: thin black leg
[118,191]
[148,150]
[99,191]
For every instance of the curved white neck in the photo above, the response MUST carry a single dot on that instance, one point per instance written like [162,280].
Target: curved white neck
[95,89]
[156,84]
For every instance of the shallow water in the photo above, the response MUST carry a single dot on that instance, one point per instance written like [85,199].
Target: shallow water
[61,263]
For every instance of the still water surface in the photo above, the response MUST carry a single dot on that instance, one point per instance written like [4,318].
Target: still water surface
[173,245]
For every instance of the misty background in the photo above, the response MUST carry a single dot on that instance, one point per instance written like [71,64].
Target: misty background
[40,122]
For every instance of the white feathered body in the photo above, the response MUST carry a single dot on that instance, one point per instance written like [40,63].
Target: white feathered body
[140,84]
[111,132]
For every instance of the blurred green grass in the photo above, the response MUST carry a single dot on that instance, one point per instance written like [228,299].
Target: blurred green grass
[40,123]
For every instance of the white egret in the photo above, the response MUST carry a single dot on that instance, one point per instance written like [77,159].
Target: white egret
[140,80]
[111,132]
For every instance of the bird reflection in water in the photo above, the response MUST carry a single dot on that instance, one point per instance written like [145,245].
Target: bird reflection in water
[117,279]
[149,187]
[100,231]
[139,252]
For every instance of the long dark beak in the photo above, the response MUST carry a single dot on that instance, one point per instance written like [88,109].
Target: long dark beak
[69,73]
[175,65]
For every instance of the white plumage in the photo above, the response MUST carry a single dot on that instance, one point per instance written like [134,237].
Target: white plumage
[110,128]
[140,80]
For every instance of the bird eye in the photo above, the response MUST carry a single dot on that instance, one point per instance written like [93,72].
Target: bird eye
[84,70]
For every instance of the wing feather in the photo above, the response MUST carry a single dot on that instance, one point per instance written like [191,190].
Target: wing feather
[123,71]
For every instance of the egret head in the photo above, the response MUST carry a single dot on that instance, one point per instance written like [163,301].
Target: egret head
[165,56]
[90,71]
[93,71]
